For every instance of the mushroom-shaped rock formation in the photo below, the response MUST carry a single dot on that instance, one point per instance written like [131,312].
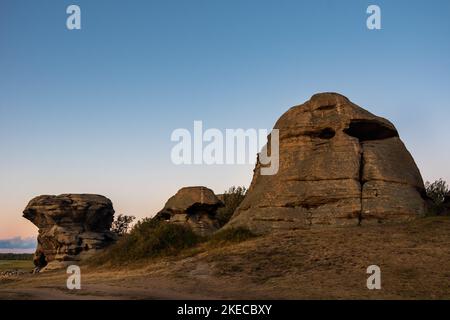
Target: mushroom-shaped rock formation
[338,164]
[194,207]
[71,227]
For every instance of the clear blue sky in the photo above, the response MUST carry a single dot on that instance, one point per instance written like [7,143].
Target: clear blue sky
[92,110]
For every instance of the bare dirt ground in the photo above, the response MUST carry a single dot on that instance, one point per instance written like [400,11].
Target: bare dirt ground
[319,263]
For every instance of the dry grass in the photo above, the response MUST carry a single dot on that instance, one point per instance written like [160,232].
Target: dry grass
[22,265]
[319,263]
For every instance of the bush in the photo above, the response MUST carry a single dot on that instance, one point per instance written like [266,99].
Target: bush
[232,235]
[231,199]
[149,238]
[121,224]
[437,191]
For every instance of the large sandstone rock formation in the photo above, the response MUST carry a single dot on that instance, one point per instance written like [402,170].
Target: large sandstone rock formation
[71,227]
[194,207]
[339,164]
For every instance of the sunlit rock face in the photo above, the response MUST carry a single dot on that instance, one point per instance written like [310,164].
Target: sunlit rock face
[72,227]
[339,165]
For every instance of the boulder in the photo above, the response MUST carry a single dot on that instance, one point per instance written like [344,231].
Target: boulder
[338,165]
[71,227]
[194,207]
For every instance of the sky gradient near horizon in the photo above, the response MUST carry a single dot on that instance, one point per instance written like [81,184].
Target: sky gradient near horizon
[92,110]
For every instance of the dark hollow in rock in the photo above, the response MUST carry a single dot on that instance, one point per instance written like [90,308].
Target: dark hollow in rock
[327,133]
[327,107]
[369,130]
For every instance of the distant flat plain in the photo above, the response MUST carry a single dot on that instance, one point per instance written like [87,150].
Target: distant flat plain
[22,265]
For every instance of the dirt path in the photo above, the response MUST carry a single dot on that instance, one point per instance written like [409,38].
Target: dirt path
[96,292]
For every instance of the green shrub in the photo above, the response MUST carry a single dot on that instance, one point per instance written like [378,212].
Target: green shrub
[121,224]
[232,235]
[149,238]
[437,191]
[232,198]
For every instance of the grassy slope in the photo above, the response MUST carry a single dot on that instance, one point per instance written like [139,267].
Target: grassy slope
[317,263]
[25,265]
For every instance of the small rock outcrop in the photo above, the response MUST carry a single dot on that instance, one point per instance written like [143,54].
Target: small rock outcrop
[71,227]
[194,207]
[338,164]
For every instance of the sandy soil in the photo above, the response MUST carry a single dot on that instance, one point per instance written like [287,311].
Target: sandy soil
[319,263]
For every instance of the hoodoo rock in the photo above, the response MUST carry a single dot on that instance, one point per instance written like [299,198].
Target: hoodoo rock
[71,227]
[338,164]
[194,207]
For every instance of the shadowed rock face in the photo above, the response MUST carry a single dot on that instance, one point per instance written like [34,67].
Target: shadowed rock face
[194,207]
[71,227]
[339,165]
[446,205]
